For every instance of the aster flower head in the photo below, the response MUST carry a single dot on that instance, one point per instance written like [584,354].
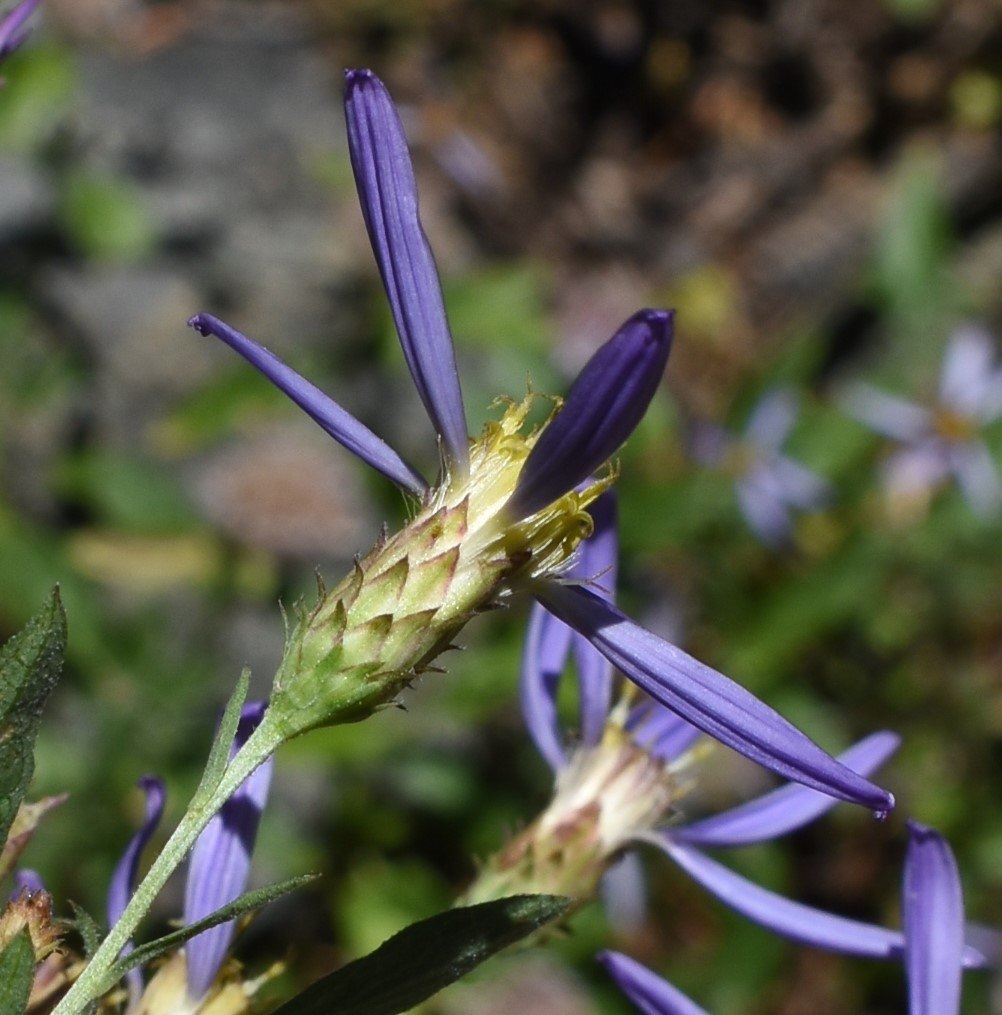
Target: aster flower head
[12,30]
[769,485]
[941,440]
[634,760]
[218,870]
[507,512]
[932,945]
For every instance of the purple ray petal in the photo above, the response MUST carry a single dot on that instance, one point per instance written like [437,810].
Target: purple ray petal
[978,477]
[322,409]
[967,368]
[124,877]
[785,809]
[706,698]
[220,863]
[934,923]
[597,563]
[388,195]
[767,516]
[798,485]
[27,880]
[660,731]
[783,916]
[601,410]
[624,893]
[889,415]
[772,419]
[543,658]
[651,994]
[11,35]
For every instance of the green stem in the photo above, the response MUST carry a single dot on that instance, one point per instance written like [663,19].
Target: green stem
[90,985]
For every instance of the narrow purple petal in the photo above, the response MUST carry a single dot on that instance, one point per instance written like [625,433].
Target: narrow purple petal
[11,35]
[966,370]
[889,415]
[388,194]
[596,563]
[660,731]
[978,477]
[624,893]
[601,410]
[125,875]
[767,516]
[706,698]
[772,419]
[934,923]
[783,916]
[220,863]
[651,994]
[785,809]
[543,659]
[323,410]
[27,880]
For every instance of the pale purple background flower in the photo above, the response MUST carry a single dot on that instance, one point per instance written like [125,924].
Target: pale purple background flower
[600,411]
[769,485]
[944,439]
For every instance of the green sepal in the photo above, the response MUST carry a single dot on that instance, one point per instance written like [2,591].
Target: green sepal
[30,664]
[17,973]
[170,942]
[425,957]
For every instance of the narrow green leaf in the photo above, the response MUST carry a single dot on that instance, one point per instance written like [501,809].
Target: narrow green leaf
[219,753]
[425,957]
[17,972]
[30,663]
[170,942]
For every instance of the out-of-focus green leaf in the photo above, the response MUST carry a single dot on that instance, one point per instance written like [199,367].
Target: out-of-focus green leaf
[425,957]
[126,493]
[17,973]
[30,664]
[106,218]
[40,83]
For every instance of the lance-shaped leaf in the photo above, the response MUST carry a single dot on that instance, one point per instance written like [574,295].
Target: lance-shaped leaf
[707,699]
[388,195]
[322,409]
[425,957]
[602,408]
[30,664]
[17,973]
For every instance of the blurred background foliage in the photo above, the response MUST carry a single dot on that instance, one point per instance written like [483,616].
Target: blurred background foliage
[816,189]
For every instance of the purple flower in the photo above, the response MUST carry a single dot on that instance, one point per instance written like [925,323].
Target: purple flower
[12,31]
[943,439]
[631,765]
[932,945]
[769,485]
[217,872]
[507,511]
